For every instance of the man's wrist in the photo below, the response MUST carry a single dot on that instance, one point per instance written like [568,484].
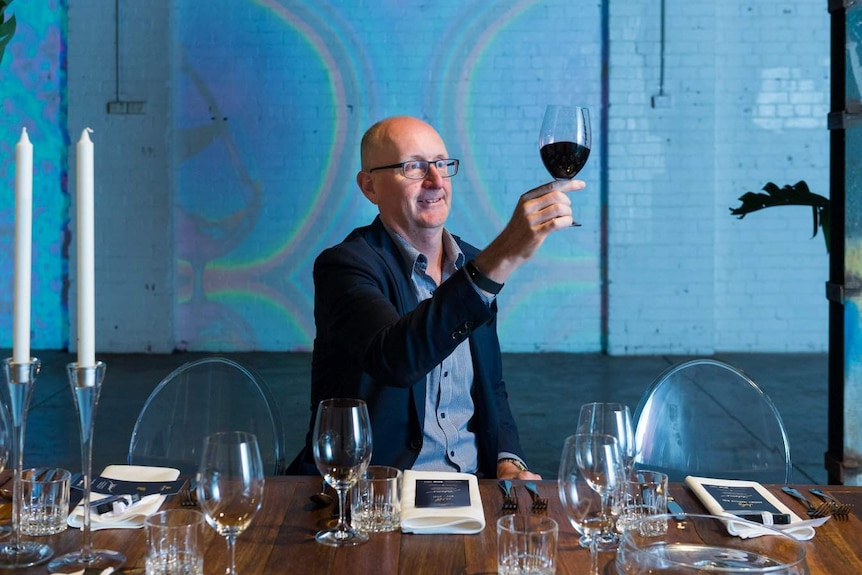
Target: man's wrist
[516,462]
[482,281]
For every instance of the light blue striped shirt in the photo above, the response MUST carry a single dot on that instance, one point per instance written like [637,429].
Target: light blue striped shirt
[447,444]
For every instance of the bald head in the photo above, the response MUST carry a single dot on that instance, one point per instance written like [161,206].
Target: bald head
[383,141]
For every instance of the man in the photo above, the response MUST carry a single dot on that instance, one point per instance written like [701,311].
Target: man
[406,313]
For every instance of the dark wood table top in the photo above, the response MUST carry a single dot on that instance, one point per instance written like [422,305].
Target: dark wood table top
[281,539]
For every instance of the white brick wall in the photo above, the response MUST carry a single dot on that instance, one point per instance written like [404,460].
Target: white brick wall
[748,88]
[134,264]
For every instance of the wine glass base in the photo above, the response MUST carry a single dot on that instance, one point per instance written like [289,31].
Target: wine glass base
[99,559]
[607,542]
[341,538]
[25,554]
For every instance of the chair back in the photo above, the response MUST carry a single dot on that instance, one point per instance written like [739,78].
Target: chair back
[707,418]
[203,397]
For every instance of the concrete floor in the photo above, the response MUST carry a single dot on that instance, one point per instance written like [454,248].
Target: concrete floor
[546,391]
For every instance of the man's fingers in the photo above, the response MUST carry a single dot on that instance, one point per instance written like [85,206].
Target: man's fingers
[557,186]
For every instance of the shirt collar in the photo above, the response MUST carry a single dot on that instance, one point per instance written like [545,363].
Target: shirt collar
[453,257]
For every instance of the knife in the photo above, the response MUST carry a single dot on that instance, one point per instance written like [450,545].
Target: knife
[675,509]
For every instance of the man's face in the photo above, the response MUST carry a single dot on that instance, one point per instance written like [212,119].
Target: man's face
[412,208]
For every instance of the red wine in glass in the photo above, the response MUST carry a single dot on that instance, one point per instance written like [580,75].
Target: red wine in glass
[565,140]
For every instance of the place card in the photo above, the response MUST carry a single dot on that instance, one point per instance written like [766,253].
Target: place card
[112,486]
[442,493]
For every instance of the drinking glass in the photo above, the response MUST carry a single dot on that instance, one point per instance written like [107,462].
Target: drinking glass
[565,141]
[342,451]
[230,485]
[588,465]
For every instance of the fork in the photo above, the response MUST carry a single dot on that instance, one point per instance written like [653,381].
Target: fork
[821,510]
[510,502]
[187,496]
[540,504]
[839,510]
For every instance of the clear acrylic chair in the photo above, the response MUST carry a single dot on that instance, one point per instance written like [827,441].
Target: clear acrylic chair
[707,418]
[197,399]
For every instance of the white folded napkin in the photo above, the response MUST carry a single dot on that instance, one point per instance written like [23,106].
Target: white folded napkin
[439,520]
[134,516]
[803,530]
[105,571]
[800,529]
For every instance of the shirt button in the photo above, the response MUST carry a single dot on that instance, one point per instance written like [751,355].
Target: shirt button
[452,453]
[445,374]
[442,416]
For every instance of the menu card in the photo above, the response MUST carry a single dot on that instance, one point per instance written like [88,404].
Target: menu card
[750,501]
[441,502]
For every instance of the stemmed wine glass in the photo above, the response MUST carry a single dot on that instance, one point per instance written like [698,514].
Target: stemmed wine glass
[342,451]
[230,485]
[612,419]
[590,469]
[565,141]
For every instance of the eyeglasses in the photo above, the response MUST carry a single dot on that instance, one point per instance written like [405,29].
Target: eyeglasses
[418,169]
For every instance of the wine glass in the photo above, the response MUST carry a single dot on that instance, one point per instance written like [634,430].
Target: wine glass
[612,419]
[230,485]
[342,451]
[565,141]
[590,467]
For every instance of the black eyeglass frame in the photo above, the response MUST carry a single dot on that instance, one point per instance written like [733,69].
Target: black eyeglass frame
[439,164]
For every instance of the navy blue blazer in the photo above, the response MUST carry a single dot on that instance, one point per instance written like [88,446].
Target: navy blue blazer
[376,342]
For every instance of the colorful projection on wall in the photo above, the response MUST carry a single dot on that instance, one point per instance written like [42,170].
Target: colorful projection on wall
[31,95]
[271,98]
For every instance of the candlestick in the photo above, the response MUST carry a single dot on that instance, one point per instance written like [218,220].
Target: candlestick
[86,254]
[20,380]
[86,383]
[23,247]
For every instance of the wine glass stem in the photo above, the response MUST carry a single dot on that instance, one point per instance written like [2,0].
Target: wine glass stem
[231,551]
[342,502]
[594,555]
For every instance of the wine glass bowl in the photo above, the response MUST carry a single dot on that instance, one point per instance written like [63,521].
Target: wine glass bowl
[581,503]
[342,451]
[613,419]
[230,484]
[565,140]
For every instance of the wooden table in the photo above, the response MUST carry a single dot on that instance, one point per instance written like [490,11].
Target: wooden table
[281,539]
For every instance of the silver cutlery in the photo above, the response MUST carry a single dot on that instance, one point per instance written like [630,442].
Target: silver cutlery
[839,510]
[510,501]
[540,504]
[821,510]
